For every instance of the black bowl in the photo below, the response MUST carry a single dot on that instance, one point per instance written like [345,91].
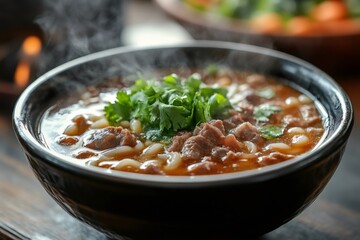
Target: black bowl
[240,204]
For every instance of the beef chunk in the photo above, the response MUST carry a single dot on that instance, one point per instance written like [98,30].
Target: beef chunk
[247,111]
[230,157]
[151,167]
[252,98]
[81,123]
[274,157]
[309,116]
[67,141]
[219,152]
[84,154]
[233,121]
[127,138]
[229,125]
[178,142]
[247,132]
[109,137]
[202,168]
[232,143]
[212,134]
[218,124]
[195,148]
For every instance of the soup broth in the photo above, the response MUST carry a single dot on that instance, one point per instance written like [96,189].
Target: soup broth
[267,122]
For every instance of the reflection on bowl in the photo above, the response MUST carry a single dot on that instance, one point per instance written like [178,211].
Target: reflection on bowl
[248,203]
[323,49]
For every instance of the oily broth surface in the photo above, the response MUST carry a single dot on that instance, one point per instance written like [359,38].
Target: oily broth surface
[153,158]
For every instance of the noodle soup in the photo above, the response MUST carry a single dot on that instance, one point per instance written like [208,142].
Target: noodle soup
[232,121]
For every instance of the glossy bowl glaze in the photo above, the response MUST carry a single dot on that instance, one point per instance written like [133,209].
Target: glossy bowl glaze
[336,54]
[242,204]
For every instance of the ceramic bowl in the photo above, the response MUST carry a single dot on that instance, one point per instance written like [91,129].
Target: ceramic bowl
[241,204]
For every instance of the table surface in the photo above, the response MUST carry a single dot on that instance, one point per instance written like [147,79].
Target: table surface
[27,212]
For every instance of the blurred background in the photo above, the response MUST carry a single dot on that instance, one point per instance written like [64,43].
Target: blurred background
[38,35]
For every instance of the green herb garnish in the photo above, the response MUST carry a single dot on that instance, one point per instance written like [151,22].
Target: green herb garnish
[271,131]
[166,107]
[264,111]
[212,69]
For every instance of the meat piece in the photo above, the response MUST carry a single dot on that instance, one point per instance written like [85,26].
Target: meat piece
[178,142]
[233,121]
[232,143]
[247,111]
[81,123]
[310,114]
[203,168]
[219,152]
[229,125]
[230,157]
[67,141]
[252,98]
[151,167]
[274,157]
[218,124]
[241,161]
[84,154]
[109,138]
[212,134]
[195,148]
[247,132]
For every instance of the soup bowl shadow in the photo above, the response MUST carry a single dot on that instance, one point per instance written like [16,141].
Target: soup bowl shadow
[234,205]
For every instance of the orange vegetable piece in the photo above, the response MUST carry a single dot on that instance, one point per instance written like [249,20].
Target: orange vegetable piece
[300,26]
[329,11]
[267,23]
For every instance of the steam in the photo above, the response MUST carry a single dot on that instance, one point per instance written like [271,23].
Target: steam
[76,28]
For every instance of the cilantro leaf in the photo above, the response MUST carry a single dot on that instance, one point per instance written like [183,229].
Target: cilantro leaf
[271,131]
[169,106]
[264,111]
[116,113]
[217,103]
[212,69]
[201,109]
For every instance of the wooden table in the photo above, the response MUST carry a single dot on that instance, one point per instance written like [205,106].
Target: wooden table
[27,212]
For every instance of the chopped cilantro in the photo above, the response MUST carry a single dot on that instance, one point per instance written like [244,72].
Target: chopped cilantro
[271,131]
[212,69]
[168,106]
[120,111]
[264,111]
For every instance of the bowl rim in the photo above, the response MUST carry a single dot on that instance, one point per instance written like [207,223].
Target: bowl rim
[183,13]
[327,146]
